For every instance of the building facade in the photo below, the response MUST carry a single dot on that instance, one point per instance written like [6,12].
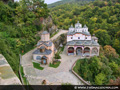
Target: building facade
[80,42]
[45,50]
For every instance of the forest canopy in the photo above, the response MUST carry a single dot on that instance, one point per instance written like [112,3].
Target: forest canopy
[103,19]
[101,16]
[100,70]
[19,23]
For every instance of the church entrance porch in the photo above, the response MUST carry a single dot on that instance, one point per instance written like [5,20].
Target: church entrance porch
[79,51]
[70,51]
[87,51]
[83,51]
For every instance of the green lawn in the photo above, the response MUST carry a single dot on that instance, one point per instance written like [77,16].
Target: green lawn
[37,66]
[54,65]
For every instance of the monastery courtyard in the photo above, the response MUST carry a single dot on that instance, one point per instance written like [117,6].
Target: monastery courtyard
[53,76]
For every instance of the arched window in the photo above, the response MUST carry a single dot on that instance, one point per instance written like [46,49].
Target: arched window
[78,37]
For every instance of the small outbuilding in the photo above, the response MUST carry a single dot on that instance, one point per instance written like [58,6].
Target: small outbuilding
[45,50]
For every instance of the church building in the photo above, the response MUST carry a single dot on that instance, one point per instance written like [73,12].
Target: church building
[80,42]
[45,50]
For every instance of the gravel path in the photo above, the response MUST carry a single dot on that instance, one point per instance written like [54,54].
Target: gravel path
[53,76]
[59,33]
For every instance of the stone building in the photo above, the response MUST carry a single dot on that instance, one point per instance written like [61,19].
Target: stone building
[80,42]
[45,50]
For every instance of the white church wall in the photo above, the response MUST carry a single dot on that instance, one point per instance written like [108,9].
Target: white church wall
[88,38]
[78,37]
[69,38]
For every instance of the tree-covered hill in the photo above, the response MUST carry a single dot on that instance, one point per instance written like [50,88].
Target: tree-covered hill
[64,2]
[101,16]
[100,70]
[103,19]
[59,3]
[19,23]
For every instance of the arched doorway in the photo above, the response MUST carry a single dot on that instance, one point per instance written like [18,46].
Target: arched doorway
[87,51]
[94,51]
[79,51]
[44,60]
[70,51]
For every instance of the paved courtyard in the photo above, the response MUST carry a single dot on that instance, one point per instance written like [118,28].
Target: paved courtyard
[53,76]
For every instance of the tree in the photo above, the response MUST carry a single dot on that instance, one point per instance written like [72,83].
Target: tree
[105,15]
[110,52]
[116,45]
[106,70]
[99,79]
[110,3]
[95,65]
[114,67]
[103,37]
[118,35]
[57,56]
[115,82]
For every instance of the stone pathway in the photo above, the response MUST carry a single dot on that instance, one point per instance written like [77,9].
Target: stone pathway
[53,76]
[59,33]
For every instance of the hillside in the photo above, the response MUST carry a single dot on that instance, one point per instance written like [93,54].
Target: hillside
[59,3]
[102,18]
[19,24]
[64,2]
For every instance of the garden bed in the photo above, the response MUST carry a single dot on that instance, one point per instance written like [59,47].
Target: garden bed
[55,65]
[37,66]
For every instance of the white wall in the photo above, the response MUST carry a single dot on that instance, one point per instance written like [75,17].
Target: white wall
[75,37]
